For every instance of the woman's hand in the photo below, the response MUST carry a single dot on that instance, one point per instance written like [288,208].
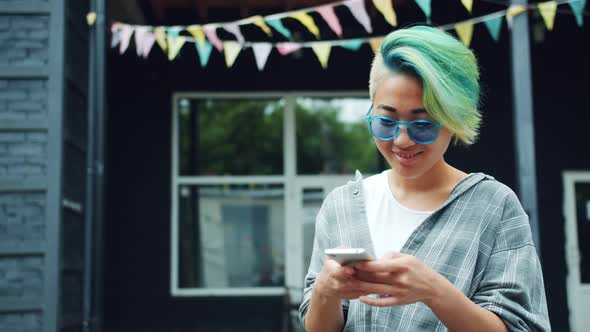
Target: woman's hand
[409,280]
[342,282]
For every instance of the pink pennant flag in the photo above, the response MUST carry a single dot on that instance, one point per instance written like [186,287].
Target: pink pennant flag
[116,36]
[234,28]
[140,33]
[213,38]
[148,42]
[359,11]
[125,33]
[330,17]
[287,48]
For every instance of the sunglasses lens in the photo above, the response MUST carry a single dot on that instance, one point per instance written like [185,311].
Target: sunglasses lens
[383,128]
[423,131]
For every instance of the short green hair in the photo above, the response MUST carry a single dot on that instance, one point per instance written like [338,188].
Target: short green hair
[447,70]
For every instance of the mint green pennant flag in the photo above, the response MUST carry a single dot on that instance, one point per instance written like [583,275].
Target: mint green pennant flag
[494,26]
[578,9]
[353,44]
[278,25]
[204,52]
[426,7]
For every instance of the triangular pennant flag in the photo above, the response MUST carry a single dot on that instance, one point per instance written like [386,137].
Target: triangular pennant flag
[376,44]
[514,10]
[308,21]
[261,53]
[161,38]
[174,46]
[494,25]
[468,5]
[278,25]
[578,9]
[353,44]
[359,11]
[148,42]
[548,10]
[322,51]
[125,34]
[232,49]
[287,48]
[426,7]
[213,38]
[234,28]
[140,33]
[197,32]
[204,50]
[386,8]
[330,17]
[465,32]
[259,22]
[116,39]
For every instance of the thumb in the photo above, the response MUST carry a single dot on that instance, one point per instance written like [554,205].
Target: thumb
[392,254]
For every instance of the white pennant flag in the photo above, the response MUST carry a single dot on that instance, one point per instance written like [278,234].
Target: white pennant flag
[126,32]
[140,33]
[116,32]
[261,53]
[359,11]
[234,28]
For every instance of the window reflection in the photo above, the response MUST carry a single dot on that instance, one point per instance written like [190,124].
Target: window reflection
[332,136]
[230,136]
[231,236]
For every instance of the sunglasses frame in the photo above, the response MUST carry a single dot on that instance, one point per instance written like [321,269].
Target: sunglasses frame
[370,119]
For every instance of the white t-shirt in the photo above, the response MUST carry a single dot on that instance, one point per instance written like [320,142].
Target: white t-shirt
[390,223]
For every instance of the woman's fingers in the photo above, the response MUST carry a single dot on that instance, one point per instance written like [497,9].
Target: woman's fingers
[381,302]
[382,265]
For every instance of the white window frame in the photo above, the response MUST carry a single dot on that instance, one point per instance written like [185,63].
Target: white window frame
[578,294]
[293,226]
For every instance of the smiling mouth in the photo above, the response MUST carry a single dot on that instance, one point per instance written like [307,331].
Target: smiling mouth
[407,155]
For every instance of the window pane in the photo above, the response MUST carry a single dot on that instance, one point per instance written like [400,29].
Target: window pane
[312,202]
[230,136]
[583,218]
[231,236]
[332,136]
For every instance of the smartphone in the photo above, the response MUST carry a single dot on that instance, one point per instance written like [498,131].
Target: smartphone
[347,256]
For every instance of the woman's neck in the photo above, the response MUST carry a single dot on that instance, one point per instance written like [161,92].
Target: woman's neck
[439,177]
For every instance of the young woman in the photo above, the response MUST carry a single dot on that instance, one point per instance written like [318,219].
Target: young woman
[452,250]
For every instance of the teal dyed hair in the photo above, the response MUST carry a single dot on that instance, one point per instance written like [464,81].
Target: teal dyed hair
[447,70]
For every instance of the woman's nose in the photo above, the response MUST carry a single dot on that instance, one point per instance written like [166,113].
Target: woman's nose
[403,140]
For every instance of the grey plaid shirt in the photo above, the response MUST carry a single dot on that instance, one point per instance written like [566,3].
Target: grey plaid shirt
[479,239]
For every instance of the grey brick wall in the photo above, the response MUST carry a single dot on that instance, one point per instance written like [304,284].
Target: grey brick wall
[23,99]
[22,217]
[21,322]
[24,40]
[21,277]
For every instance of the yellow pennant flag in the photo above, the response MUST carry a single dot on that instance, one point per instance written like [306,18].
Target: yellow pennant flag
[386,8]
[307,20]
[161,37]
[376,44]
[468,5]
[259,22]
[322,51]
[548,10]
[174,46]
[197,32]
[465,32]
[232,49]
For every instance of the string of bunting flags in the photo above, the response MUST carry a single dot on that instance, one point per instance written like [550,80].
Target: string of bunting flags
[205,37]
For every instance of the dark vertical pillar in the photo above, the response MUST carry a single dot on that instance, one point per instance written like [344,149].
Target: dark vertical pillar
[524,135]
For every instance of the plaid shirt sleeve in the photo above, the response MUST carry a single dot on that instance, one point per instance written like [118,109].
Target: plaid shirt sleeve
[512,284]
[322,241]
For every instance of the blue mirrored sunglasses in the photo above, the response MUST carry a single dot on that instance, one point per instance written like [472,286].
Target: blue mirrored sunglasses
[423,131]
